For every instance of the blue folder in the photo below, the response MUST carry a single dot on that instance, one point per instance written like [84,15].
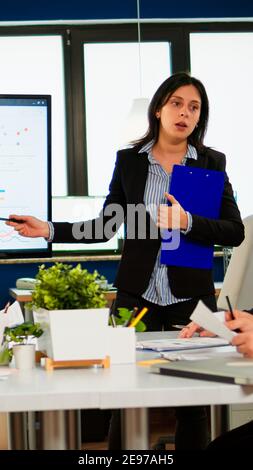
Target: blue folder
[199,191]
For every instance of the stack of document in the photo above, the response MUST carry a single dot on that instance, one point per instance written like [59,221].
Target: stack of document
[204,347]
[178,344]
[199,354]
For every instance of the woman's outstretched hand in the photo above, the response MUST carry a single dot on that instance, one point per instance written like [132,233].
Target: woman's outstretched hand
[28,226]
[192,327]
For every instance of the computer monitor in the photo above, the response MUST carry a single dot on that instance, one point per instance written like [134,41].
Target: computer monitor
[238,280]
[25,169]
[76,209]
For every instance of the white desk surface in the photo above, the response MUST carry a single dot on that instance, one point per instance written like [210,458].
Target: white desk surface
[120,386]
[130,387]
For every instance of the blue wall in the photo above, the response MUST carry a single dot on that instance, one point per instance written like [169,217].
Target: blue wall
[9,273]
[29,10]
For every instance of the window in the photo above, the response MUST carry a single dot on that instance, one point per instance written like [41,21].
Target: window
[74,209]
[224,62]
[112,81]
[104,81]
[93,72]
[34,65]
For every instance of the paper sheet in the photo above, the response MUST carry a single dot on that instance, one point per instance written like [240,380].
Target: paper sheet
[207,320]
[3,324]
[12,317]
[178,344]
[197,354]
[14,314]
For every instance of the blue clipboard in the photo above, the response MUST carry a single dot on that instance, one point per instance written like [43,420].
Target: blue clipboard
[199,191]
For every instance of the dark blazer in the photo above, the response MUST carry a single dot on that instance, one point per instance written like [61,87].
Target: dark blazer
[138,258]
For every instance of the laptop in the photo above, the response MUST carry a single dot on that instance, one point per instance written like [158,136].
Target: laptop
[232,369]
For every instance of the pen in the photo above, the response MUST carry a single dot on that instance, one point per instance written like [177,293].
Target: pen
[111,314]
[133,313]
[12,220]
[113,320]
[6,307]
[230,307]
[138,317]
[179,327]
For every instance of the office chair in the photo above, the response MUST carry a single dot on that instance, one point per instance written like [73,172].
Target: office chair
[238,280]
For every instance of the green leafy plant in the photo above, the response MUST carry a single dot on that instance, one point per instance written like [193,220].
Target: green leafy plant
[124,315]
[5,355]
[63,286]
[21,334]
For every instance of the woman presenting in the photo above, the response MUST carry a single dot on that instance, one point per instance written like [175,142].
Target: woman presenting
[178,117]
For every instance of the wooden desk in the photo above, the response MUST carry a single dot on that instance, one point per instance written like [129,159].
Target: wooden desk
[218,286]
[23,296]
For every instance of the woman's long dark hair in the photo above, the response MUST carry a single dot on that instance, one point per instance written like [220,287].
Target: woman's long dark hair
[160,98]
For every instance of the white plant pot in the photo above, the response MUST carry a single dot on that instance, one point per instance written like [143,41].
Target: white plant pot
[71,335]
[24,355]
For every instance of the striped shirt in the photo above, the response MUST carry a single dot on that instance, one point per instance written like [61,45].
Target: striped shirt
[158,182]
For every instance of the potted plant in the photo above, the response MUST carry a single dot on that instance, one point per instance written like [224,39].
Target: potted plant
[67,301]
[124,316]
[63,286]
[4,355]
[69,304]
[23,348]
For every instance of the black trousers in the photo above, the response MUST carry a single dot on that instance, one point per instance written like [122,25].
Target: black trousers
[240,438]
[192,423]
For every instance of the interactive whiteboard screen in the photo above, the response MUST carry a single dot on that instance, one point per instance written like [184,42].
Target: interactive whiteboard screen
[25,169]
[76,209]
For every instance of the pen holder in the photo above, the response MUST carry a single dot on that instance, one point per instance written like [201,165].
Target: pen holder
[24,355]
[121,345]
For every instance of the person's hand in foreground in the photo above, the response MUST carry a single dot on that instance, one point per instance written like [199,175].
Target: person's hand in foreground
[242,321]
[29,226]
[244,340]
